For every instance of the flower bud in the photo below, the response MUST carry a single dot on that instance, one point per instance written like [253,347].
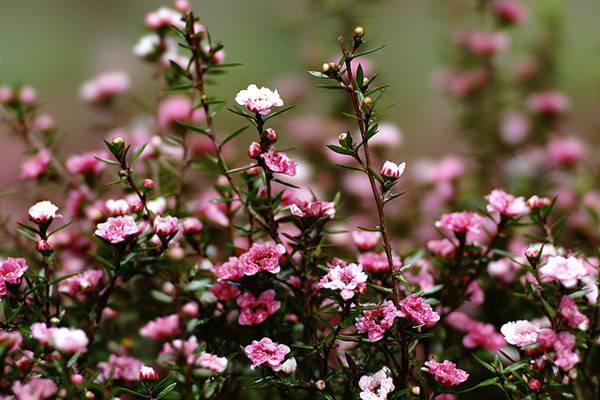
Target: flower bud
[118,140]
[271,134]
[368,102]
[182,5]
[325,68]
[43,212]
[54,321]
[77,379]
[28,96]
[191,225]
[416,390]
[254,150]
[392,170]
[320,384]
[44,247]
[6,95]
[89,394]
[148,184]
[165,226]
[190,309]
[535,384]
[359,32]
[148,374]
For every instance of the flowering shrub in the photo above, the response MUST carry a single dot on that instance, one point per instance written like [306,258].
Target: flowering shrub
[190,277]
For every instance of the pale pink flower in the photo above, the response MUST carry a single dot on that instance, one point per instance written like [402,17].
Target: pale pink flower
[186,348]
[574,318]
[120,368]
[224,291]
[566,356]
[313,209]
[177,108]
[117,207]
[520,333]
[377,319]
[278,162]
[214,212]
[82,283]
[104,87]
[536,202]
[164,18]
[416,309]
[514,127]
[212,362]
[365,240]
[442,247]
[377,262]
[165,226]
[463,83]
[147,374]
[44,123]
[191,225]
[445,372]
[565,270]
[117,229]
[190,309]
[86,163]
[388,136]
[67,340]
[12,270]
[11,340]
[258,100]
[461,222]
[506,204]
[347,280]
[503,269]
[231,270]
[28,96]
[483,43]
[35,389]
[377,386]
[392,170]
[566,150]
[261,257]
[548,103]
[43,212]
[161,328]
[266,352]
[255,310]
[484,336]
[509,11]
[36,166]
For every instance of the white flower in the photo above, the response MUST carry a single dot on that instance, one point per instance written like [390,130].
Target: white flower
[43,211]
[376,386]
[258,100]
[565,270]
[288,367]
[520,333]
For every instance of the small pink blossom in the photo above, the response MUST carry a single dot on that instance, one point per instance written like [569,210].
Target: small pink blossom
[44,123]
[520,333]
[484,336]
[255,310]
[548,103]
[461,222]
[231,270]
[348,280]
[12,270]
[191,225]
[165,226]
[224,291]
[120,368]
[266,352]
[418,311]
[117,207]
[82,283]
[11,340]
[186,348]
[261,257]
[147,374]
[43,212]
[36,166]
[177,108]
[377,262]
[104,87]
[86,163]
[483,43]
[365,240]
[574,318]
[161,328]
[117,229]
[278,162]
[446,372]
[565,270]
[509,11]
[164,18]
[566,151]
[443,247]
[377,386]
[212,362]
[392,170]
[313,209]
[506,204]
[377,319]
[35,389]
[67,340]
[258,100]
[254,150]
[566,356]
[537,202]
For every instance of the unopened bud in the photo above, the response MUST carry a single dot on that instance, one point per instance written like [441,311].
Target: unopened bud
[320,384]
[148,184]
[148,374]
[118,140]
[416,390]
[368,102]
[89,394]
[54,321]
[271,134]
[44,247]
[325,67]
[359,32]
[254,150]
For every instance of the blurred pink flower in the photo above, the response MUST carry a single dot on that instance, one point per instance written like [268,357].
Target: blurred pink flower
[266,352]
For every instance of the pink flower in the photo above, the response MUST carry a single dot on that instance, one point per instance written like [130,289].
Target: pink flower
[566,151]
[254,150]
[36,166]
[446,372]
[164,18]
[506,204]
[377,386]
[117,207]
[82,283]
[43,212]
[258,100]
[418,311]
[118,229]
[442,247]
[565,270]
[278,162]
[261,257]
[224,291]
[377,262]
[255,310]
[520,333]
[503,269]
[212,362]
[120,368]
[392,170]
[104,87]
[86,163]
[177,108]
[191,225]
[566,356]
[536,202]
[165,226]
[266,352]
[35,389]
[11,340]
[231,270]
[483,43]
[461,222]
[365,240]
[548,103]
[161,328]
[484,336]
[570,313]
[376,320]
[313,209]
[514,128]
[509,11]
[186,348]
[67,340]
[347,280]
[12,270]
[28,96]
[44,123]
[147,374]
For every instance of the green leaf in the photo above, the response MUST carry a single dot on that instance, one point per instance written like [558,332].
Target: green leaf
[137,153]
[192,127]
[278,112]
[166,391]
[364,53]
[233,135]
[318,74]
[339,149]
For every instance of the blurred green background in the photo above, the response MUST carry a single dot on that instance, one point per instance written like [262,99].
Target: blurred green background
[55,45]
